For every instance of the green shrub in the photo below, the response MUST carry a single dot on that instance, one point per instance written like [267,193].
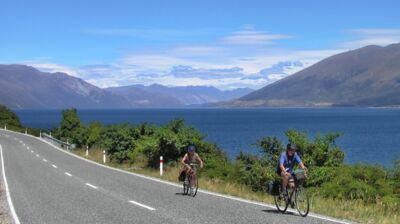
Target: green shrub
[9,118]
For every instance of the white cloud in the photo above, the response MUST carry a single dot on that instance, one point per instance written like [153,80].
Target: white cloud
[206,74]
[364,37]
[144,33]
[249,36]
[233,61]
[231,72]
[52,67]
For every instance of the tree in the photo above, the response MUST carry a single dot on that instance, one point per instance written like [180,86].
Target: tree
[7,117]
[119,141]
[323,151]
[71,128]
[93,133]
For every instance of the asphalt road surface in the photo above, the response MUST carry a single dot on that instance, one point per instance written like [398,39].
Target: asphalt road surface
[47,185]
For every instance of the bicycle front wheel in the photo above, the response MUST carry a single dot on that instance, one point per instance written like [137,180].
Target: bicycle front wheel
[302,201]
[185,187]
[195,183]
[281,201]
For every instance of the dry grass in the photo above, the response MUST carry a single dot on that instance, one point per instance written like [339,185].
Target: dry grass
[351,210]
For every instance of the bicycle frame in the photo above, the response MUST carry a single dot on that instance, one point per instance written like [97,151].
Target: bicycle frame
[300,197]
[189,178]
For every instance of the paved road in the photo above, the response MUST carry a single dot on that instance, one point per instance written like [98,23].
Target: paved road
[49,186]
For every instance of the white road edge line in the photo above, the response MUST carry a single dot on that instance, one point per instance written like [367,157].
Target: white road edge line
[54,166]
[31,151]
[44,160]
[142,205]
[37,155]
[179,186]
[92,186]
[12,209]
[68,174]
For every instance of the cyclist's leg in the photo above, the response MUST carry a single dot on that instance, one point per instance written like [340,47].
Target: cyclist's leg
[194,179]
[187,173]
[285,180]
[291,180]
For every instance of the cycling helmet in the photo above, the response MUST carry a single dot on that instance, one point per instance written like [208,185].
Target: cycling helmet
[191,148]
[291,146]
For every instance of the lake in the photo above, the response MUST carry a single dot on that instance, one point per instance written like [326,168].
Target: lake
[369,135]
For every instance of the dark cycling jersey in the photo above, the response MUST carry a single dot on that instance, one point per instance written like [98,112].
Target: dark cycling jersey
[193,159]
[288,162]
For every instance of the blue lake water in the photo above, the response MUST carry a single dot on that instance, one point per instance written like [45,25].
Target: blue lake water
[369,134]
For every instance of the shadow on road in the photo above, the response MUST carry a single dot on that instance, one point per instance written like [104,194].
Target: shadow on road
[180,194]
[278,212]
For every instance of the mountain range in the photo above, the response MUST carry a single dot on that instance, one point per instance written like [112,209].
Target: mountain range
[25,87]
[158,95]
[369,76]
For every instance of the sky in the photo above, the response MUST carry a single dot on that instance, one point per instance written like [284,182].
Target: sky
[226,44]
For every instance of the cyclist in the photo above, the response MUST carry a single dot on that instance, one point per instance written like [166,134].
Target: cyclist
[287,161]
[191,157]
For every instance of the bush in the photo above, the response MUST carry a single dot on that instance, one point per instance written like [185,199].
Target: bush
[119,141]
[9,118]
[71,128]
[365,182]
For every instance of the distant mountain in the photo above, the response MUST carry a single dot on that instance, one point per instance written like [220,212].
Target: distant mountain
[26,87]
[157,95]
[140,97]
[369,76]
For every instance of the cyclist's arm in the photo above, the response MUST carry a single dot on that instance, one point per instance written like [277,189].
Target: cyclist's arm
[200,160]
[302,166]
[281,166]
[183,161]
[298,160]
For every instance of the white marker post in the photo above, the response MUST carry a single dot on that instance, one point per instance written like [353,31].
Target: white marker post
[26,131]
[5,127]
[87,150]
[161,165]
[67,145]
[40,134]
[104,156]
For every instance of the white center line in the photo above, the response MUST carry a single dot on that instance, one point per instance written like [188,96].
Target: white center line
[44,160]
[37,155]
[54,166]
[68,174]
[92,186]
[142,205]
[31,151]
[27,147]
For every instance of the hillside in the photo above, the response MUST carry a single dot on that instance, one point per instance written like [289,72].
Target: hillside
[369,76]
[26,87]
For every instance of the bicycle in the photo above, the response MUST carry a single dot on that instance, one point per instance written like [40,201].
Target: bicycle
[301,199]
[187,183]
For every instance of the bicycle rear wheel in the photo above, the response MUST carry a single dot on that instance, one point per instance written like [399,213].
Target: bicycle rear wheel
[302,201]
[281,201]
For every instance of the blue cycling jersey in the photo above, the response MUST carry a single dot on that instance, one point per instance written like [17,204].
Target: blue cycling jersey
[288,161]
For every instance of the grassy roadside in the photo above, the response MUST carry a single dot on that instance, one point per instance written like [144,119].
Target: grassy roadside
[351,210]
